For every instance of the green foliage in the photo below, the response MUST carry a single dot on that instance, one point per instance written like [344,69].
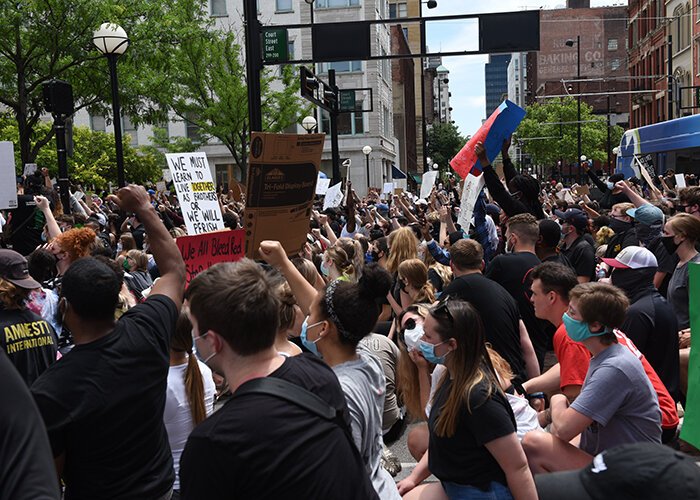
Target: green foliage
[94,158]
[547,141]
[444,142]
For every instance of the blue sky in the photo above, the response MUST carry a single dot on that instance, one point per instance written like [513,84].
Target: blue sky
[467,72]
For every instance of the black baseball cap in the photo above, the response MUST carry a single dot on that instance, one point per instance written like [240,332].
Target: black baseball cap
[13,268]
[574,216]
[639,471]
[550,233]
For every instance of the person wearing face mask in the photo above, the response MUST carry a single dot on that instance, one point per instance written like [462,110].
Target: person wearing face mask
[512,269]
[649,321]
[689,198]
[335,264]
[473,446]
[681,235]
[617,403]
[611,193]
[623,225]
[573,244]
[339,317]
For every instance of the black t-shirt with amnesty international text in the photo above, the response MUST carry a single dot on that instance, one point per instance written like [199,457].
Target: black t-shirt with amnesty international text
[27,470]
[263,447]
[28,340]
[103,404]
[499,314]
[463,457]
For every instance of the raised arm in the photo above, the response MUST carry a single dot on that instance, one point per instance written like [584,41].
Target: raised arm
[633,196]
[51,224]
[171,283]
[273,253]
[596,180]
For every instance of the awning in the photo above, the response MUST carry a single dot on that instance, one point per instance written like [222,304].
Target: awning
[396,173]
[671,135]
[417,177]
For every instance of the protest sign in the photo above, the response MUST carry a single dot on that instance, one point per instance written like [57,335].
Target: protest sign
[160,186]
[196,192]
[646,169]
[470,192]
[322,186]
[8,177]
[30,168]
[426,186]
[201,251]
[388,188]
[582,190]
[334,196]
[680,180]
[691,422]
[282,174]
[499,126]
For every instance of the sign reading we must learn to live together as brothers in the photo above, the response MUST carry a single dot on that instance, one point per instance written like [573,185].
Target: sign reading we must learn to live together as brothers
[196,192]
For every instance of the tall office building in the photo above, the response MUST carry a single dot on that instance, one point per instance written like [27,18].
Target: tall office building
[496,80]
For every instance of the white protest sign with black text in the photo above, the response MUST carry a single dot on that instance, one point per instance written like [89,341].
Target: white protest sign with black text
[334,196]
[322,185]
[196,192]
[470,193]
[8,176]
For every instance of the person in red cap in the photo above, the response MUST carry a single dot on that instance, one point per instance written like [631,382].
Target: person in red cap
[28,340]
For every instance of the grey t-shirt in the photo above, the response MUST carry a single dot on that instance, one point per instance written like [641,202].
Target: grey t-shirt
[388,354]
[364,386]
[677,293]
[619,398]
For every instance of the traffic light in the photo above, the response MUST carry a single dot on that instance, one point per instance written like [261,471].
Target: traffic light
[309,84]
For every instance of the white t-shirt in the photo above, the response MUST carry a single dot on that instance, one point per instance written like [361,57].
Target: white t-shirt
[177,415]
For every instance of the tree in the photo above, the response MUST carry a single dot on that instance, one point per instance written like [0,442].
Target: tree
[444,142]
[547,140]
[93,158]
[47,39]
[207,88]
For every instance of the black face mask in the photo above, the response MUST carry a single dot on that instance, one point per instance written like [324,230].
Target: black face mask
[647,234]
[631,281]
[619,226]
[670,245]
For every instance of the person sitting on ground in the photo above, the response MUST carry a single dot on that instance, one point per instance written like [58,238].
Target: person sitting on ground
[473,446]
[291,319]
[136,275]
[617,403]
[580,253]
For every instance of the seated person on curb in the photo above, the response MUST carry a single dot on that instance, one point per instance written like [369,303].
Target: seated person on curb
[617,403]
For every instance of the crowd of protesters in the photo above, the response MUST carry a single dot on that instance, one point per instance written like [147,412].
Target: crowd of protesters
[542,343]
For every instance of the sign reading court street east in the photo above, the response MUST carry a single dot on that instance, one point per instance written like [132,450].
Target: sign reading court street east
[275,48]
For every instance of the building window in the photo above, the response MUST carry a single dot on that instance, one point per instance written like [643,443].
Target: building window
[290,49]
[98,124]
[192,131]
[348,123]
[405,31]
[400,9]
[341,67]
[283,6]
[614,64]
[387,121]
[336,3]
[217,8]
[612,43]
[128,128]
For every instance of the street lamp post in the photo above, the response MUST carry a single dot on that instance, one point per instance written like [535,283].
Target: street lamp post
[309,124]
[431,4]
[570,43]
[112,41]
[366,151]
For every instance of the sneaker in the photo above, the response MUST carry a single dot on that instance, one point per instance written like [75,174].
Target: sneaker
[390,462]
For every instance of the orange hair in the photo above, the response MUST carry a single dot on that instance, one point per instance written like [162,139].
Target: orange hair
[77,242]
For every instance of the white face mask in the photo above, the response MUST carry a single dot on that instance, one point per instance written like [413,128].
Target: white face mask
[412,337]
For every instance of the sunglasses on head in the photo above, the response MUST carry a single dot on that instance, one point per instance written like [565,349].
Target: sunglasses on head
[410,324]
[442,309]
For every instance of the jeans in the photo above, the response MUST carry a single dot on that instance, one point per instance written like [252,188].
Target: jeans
[496,491]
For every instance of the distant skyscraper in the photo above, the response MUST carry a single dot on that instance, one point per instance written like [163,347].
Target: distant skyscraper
[496,80]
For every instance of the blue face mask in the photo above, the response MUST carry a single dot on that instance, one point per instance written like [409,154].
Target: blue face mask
[324,268]
[609,185]
[428,351]
[577,330]
[309,344]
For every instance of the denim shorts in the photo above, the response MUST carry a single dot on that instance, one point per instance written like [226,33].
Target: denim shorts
[496,491]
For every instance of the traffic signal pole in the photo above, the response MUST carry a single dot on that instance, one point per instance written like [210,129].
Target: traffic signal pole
[253,62]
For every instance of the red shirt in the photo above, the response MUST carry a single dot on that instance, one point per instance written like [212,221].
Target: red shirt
[669,415]
[573,358]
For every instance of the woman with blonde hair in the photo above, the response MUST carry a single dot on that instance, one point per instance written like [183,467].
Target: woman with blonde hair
[337,265]
[136,274]
[403,245]
[413,280]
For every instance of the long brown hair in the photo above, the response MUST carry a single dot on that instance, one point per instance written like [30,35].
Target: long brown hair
[469,363]
[194,383]
[407,386]
[415,273]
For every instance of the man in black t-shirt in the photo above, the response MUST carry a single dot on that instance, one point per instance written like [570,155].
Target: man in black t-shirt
[512,271]
[498,310]
[258,445]
[103,402]
[575,248]
[27,471]
[28,340]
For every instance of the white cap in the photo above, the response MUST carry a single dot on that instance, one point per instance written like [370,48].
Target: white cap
[633,257]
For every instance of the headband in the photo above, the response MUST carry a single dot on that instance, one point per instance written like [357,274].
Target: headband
[330,290]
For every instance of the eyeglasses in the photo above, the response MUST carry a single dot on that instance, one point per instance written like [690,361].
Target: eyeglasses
[443,309]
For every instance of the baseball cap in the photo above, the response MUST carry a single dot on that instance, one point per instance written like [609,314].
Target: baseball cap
[13,268]
[638,471]
[647,214]
[550,232]
[632,257]
[574,216]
